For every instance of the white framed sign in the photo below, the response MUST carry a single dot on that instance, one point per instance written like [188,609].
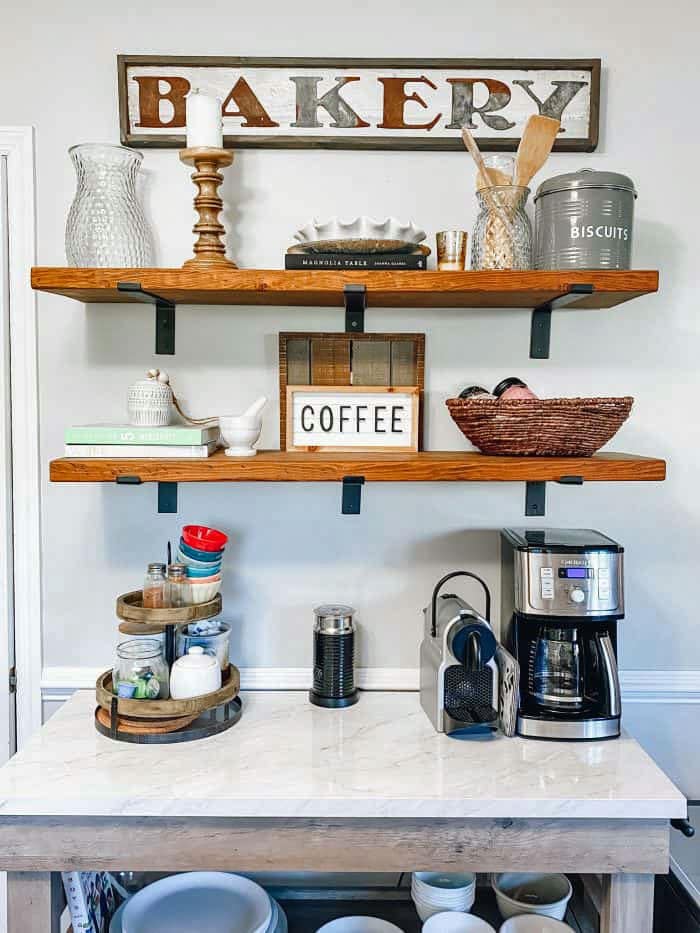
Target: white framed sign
[352,418]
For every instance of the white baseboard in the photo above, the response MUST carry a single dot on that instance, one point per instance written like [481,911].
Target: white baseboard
[57,683]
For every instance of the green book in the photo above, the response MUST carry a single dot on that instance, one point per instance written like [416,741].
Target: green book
[128,434]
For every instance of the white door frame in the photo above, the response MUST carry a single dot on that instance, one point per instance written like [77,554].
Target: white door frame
[17,146]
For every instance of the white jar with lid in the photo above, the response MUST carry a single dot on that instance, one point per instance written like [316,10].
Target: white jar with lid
[194,674]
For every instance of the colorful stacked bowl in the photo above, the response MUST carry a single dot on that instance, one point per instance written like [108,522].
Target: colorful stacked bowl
[201,549]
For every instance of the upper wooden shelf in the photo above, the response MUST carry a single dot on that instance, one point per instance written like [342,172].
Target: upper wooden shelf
[427,466]
[325,288]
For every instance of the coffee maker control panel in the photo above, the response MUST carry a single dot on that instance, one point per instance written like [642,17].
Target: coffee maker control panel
[585,584]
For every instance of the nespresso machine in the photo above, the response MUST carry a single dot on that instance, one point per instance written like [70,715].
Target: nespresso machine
[459,677]
[561,600]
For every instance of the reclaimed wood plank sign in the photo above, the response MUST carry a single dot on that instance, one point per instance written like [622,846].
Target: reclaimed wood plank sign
[360,103]
[348,418]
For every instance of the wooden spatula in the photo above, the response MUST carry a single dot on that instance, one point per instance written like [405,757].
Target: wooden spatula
[536,144]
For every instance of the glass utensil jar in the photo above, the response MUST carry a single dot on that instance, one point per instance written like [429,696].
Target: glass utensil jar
[154,587]
[106,226]
[141,672]
[502,237]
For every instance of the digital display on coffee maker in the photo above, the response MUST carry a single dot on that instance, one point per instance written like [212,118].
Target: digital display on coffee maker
[575,573]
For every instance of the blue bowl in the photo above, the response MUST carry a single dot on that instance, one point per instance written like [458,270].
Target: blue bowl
[208,556]
[195,573]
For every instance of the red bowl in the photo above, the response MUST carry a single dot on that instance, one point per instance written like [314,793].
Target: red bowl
[203,538]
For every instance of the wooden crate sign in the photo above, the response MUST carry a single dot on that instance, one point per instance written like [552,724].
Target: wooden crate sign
[346,103]
[350,360]
[351,418]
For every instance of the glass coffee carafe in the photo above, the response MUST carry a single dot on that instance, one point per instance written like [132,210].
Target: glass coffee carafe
[558,669]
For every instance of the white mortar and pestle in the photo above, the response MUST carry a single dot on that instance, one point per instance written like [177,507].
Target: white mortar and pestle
[240,432]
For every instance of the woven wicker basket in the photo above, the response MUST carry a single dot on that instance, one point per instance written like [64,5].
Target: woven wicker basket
[552,427]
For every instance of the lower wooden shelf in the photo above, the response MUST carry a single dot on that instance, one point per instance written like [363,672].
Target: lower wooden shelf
[427,466]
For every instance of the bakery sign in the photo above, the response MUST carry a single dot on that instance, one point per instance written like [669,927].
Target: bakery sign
[360,103]
[347,418]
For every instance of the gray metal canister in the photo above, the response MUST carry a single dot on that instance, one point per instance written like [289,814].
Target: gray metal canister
[583,220]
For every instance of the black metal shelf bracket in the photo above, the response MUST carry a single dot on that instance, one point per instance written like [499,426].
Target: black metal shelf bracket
[167,498]
[541,324]
[165,315]
[355,304]
[535,497]
[352,494]
[536,494]
[167,493]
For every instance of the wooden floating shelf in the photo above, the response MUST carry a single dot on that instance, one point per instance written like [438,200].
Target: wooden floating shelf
[428,466]
[319,288]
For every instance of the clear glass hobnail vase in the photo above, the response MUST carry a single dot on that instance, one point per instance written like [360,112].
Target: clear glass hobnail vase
[106,226]
[502,236]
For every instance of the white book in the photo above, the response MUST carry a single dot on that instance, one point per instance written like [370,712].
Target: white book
[141,451]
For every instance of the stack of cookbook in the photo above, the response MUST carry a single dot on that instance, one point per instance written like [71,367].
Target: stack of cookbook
[107,441]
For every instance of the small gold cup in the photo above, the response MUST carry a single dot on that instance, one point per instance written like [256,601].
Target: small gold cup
[451,250]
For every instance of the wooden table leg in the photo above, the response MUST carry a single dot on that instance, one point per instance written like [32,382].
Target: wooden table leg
[627,904]
[34,902]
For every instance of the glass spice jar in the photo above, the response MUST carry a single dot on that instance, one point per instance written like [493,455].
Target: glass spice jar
[178,586]
[154,587]
[141,672]
[502,237]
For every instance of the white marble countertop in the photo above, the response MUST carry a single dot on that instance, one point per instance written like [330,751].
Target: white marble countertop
[286,758]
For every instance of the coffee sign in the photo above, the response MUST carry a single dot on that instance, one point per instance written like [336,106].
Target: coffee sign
[351,418]
[360,103]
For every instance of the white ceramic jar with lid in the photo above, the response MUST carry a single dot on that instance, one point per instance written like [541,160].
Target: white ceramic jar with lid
[194,674]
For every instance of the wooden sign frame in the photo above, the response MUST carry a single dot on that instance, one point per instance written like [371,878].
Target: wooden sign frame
[361,103]
[388,391]
[331,359]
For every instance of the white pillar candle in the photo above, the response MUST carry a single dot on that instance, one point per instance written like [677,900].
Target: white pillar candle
[204,124]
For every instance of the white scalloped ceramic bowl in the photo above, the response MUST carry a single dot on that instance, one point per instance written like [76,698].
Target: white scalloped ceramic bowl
[361,228]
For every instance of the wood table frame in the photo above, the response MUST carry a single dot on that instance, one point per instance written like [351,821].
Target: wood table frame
[620,857]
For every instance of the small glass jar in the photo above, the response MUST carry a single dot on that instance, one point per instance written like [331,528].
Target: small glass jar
[154,587]
[141,672]
[502,237]
[178,586]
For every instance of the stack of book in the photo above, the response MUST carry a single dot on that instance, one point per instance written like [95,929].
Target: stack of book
[298,258]
[107,441]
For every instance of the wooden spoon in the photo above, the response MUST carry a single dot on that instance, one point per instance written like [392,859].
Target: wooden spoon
[535,145]
[483,173]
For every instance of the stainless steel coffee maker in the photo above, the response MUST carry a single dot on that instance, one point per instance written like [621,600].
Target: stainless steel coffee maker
[459,677]
[562,597]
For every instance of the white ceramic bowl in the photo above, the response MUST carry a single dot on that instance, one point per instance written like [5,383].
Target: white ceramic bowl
[532,893]
[201,900]
[456,923]
[426,911]
[436,892]
[531,923]
[359,925]
[202,590]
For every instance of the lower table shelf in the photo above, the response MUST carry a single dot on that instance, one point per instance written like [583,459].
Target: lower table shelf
[426,466]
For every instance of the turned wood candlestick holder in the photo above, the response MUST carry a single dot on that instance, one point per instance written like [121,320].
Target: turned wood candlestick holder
[208,248]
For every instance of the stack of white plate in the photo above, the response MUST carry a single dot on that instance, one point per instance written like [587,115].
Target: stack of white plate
[200,900]
[435,892]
